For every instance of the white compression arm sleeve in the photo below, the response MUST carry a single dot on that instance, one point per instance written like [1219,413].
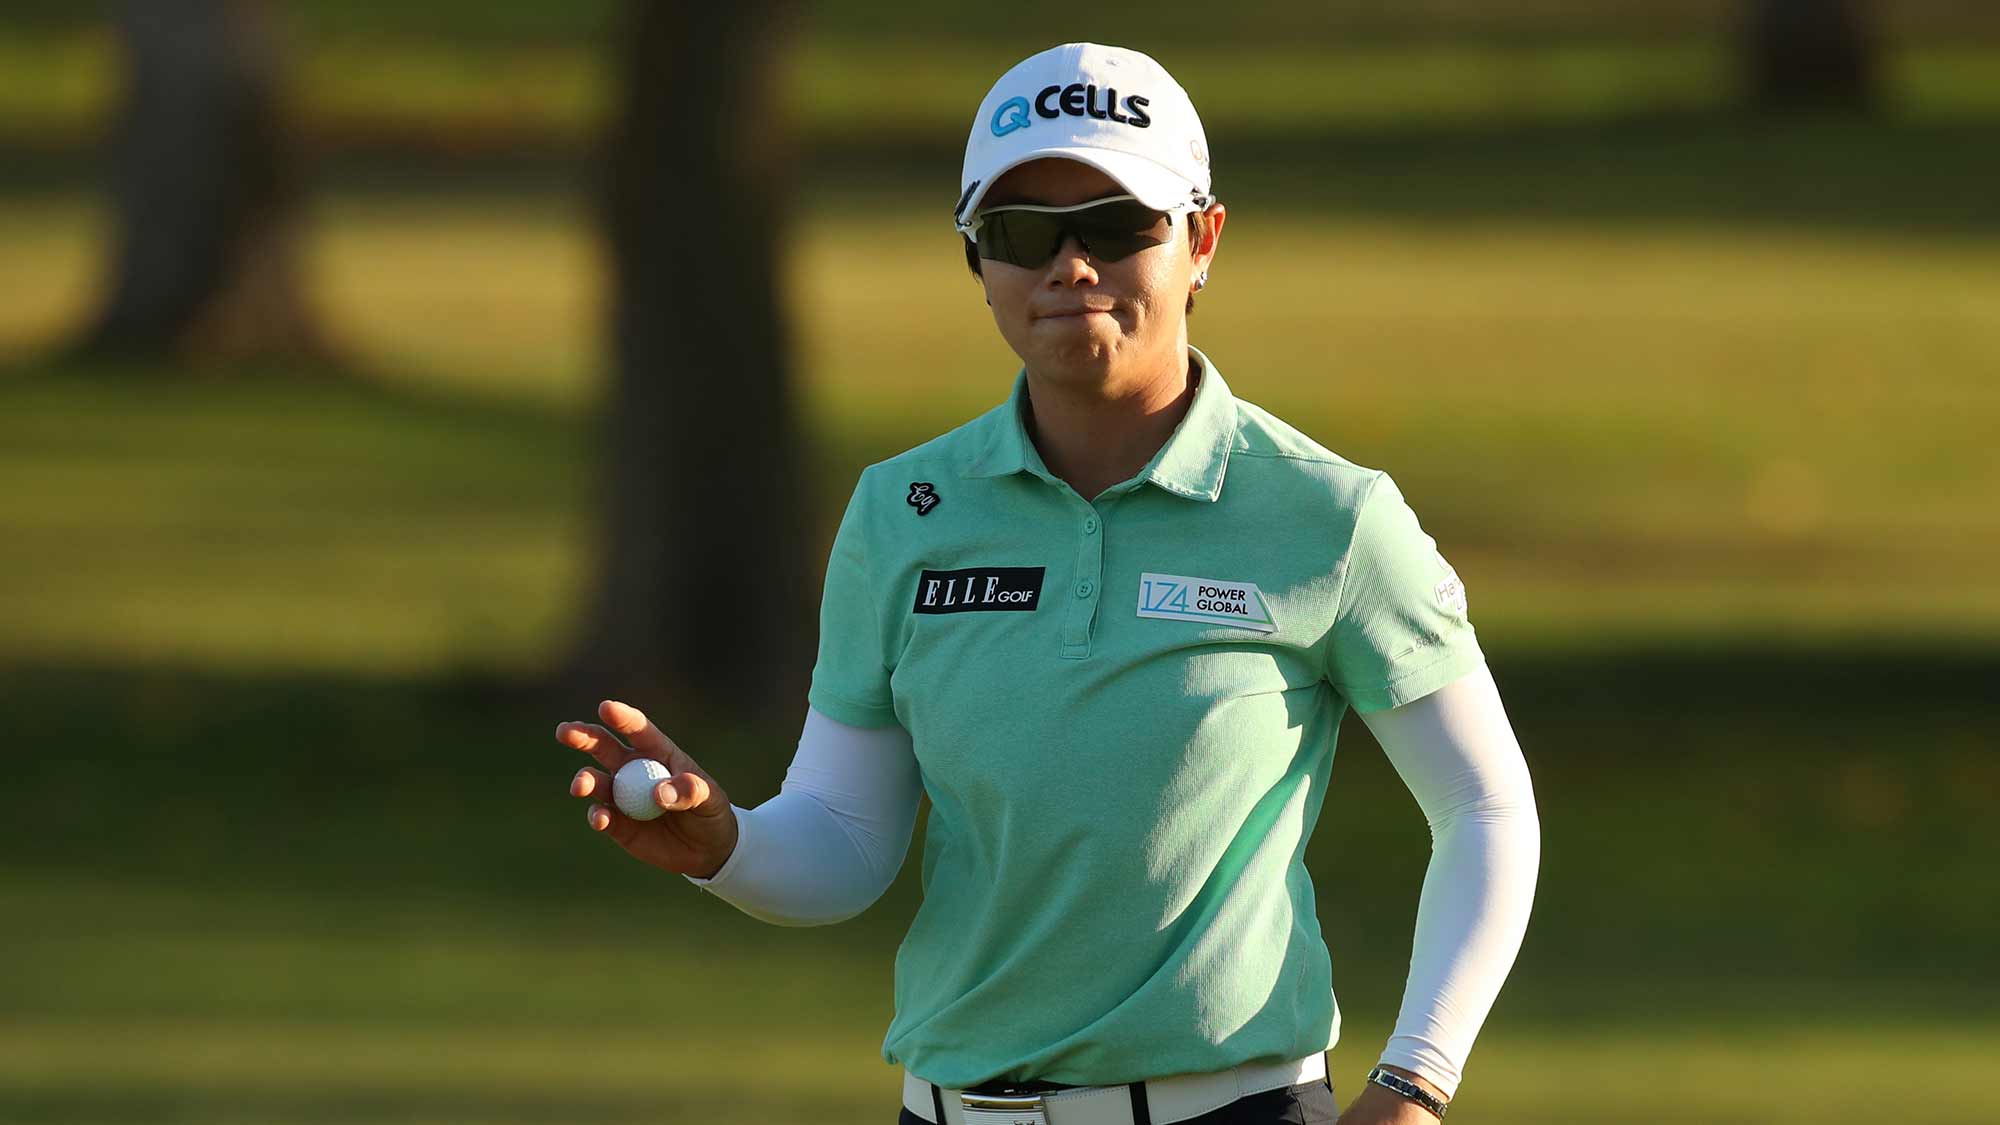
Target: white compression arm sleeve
[1456,751]
[832,840]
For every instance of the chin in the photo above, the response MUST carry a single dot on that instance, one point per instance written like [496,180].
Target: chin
[1084,357]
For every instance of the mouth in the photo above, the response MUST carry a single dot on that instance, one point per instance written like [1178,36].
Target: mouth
[1073,313]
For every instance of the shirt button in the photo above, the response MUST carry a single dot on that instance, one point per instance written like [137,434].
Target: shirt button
[1089,525]
[1083,588]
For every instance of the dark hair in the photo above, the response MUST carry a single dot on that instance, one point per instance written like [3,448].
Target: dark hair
[1196,219]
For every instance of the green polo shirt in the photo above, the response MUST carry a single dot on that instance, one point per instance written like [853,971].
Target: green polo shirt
[1124,710]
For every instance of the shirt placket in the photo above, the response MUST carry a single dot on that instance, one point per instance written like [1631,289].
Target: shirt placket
[1088,585]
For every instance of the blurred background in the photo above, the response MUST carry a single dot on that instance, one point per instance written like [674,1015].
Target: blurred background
[383,384]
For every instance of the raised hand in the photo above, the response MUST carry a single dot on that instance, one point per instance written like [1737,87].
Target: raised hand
[698,831]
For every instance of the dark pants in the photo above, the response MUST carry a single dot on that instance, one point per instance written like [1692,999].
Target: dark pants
[1308,1103]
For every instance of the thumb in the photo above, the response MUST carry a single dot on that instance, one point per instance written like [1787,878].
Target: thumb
[685,792]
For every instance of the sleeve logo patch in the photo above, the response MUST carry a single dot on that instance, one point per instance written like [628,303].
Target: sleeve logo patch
[981,589]
[1211,601]
[1451,595]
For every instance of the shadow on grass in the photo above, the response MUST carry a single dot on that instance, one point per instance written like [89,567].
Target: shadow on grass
[1863,174]
[1881,174]
[681,1099]
[341,380]
[1716,812]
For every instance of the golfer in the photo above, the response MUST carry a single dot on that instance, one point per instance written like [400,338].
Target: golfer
[1111,627]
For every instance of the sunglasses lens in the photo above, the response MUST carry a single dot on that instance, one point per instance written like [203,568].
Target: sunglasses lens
[1021,238]
[1122,229]
[1109,232]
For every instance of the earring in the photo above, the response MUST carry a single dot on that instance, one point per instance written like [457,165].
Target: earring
[1201,280]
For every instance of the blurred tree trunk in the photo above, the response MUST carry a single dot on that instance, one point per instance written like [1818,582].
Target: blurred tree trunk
[205,190]
[1811,54]
[706,596]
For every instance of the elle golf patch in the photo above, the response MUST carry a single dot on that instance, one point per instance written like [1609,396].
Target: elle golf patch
[1177,597]
[979,589]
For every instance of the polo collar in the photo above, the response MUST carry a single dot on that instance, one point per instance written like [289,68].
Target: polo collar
[1191,463]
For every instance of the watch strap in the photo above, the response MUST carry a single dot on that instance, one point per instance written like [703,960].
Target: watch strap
[1390,1080]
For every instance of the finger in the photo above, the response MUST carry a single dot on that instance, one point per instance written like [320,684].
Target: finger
[612,823]
[596,742]
[638,730]
[591,782]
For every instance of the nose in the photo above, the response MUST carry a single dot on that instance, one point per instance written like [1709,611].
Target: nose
[1071,265]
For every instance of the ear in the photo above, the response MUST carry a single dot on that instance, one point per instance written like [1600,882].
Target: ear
[1211,237]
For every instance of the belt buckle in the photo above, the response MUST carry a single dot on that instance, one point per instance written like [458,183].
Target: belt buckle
[1003,1109]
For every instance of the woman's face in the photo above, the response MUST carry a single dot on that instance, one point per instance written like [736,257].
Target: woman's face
[1083,320]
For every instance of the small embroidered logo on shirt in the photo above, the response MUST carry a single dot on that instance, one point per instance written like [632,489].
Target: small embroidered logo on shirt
[1213,601]
[923,497]
[1451,595]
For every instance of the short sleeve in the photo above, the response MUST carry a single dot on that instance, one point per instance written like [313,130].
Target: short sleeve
[1400,629]
[850,680]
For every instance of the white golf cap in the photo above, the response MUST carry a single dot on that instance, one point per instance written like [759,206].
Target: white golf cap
[1112,108]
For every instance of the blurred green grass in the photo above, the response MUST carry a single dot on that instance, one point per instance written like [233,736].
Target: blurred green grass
[262,1071]
[58,85]
[1617,434]
[1171,21]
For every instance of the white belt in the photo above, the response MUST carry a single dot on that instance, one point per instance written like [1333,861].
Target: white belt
[1174,1098]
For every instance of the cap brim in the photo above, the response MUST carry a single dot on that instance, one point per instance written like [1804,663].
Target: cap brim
[1149,182]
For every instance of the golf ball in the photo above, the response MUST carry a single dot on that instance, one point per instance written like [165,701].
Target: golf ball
[632,788]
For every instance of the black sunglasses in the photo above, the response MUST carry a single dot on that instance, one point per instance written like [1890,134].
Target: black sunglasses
[1028,235]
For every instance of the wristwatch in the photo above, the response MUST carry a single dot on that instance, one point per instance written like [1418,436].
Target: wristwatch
[1392,1081]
